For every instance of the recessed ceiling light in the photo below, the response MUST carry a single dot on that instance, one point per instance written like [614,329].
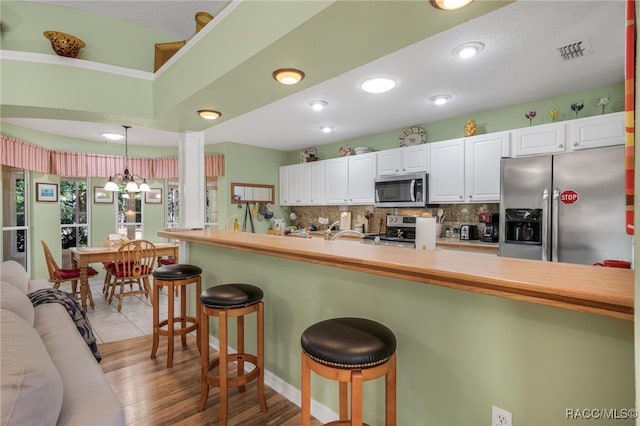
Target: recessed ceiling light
[450,4]
[209,114]
[288,75]
[440,99]
[378,85]
[326,129]
[113,136]
[468,50]
[318,105]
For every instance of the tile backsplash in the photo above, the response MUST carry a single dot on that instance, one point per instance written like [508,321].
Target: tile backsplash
[454,214]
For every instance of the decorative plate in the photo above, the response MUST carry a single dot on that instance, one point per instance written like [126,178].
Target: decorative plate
[413,136]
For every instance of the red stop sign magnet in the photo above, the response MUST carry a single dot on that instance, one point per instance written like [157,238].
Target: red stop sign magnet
[569,196]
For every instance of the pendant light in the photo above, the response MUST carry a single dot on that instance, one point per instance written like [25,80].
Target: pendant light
[130,181]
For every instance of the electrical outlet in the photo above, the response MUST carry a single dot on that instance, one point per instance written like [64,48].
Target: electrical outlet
[500,417]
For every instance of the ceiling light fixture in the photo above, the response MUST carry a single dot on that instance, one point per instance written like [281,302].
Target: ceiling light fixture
[468,50]
[378,85]
[112,136]
[209,114]
[450,4]
[440,99]
[318,105]
[127,179]
[326,129]
[288,75]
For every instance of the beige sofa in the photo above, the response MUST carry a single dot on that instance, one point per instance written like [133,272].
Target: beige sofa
[48,374]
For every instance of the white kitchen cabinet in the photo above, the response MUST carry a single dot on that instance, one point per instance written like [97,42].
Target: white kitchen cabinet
[596,131]
[316,182]
[336,173]
[482,166]
[446,177]
[542,139]
[283,186]
[362,174]
[411,159]
[298,181]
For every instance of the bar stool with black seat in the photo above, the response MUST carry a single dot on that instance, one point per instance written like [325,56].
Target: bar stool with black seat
[224,302]
[351,351]
[177,276]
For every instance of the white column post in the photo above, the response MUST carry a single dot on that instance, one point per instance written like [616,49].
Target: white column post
[191,184]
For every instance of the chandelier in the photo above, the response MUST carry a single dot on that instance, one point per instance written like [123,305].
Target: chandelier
[130,181]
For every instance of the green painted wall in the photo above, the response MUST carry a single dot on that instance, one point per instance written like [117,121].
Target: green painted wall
[44,219]
[458,352]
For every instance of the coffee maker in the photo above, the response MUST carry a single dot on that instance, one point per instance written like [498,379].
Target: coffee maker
[490,234]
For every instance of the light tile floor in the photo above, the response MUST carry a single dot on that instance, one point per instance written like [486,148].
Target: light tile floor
[134,319]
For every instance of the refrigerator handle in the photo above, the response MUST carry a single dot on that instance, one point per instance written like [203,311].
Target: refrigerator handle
[545,229]
[554,225]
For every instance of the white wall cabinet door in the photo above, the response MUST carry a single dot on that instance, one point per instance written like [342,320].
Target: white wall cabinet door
[316,182]
[362,174]
[283,184]
[597,131]
[298,185]
[336,174]
[446,177]
[482,166]
[412,159]
[543,139]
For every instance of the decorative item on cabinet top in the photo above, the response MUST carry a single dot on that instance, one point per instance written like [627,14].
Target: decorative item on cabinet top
[470,128]
[412,136]
[202,19]
[345,151]
[308,155]
[64,44]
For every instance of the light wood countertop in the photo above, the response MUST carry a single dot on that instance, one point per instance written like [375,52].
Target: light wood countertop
[584,288]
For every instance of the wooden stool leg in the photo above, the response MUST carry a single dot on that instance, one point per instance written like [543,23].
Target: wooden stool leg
[390,393]
[197,316]
[240,348]
[204,358]
[343,401]
[260,362]
[170,325]
[183,312]
[356,398]
[305,403]
[222,332]
[156,319]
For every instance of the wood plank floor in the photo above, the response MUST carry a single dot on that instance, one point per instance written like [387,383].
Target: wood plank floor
[155,395]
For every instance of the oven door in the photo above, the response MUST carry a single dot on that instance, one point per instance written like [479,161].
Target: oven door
[401,191]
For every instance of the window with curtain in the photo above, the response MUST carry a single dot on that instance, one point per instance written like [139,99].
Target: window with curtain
[74,216]
[211,197]
[15,208]
[129,215]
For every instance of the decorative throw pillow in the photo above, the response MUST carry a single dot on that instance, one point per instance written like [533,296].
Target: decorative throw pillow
[30,385]
[16,301]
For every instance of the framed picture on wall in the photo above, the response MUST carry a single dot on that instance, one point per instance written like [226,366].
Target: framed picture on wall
[154,196]
[100,196]
[47,192]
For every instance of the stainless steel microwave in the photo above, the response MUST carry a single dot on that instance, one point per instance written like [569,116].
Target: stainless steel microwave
[402,190]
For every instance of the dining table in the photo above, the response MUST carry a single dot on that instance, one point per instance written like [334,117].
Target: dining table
[82,257]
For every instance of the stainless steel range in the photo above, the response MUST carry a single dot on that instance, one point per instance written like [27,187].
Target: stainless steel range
[400,231]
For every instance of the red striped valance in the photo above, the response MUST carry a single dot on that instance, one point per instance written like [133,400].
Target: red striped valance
[20,154]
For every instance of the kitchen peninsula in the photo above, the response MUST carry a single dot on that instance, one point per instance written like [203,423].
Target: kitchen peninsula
[559,336]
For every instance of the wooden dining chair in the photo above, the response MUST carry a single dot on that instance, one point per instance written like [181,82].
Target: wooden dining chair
[58,275]
[134,262]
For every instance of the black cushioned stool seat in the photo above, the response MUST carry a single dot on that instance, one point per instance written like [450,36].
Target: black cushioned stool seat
[225,301]
[176,276]
[350,350]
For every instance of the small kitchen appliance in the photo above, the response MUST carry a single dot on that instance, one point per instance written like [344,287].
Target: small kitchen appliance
[399,231]
[490,234]
[468,232]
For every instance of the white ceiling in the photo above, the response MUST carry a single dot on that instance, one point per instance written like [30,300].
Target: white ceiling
[518,65]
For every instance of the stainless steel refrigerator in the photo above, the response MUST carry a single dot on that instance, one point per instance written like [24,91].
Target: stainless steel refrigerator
[567,207]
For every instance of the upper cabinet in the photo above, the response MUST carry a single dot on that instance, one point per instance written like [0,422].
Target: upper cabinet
[543,139]
[582,133]
[596,131]
[411,159]
[316,183]
[336,178]
[482,165]
[446,177]
[362,174]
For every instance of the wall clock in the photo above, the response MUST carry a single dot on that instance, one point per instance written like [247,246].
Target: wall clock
[413,136]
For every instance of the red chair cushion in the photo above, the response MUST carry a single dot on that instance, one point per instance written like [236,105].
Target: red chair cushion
[69,274]
[168,261]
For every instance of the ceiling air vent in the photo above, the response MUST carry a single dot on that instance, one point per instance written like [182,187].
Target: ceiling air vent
[574,49]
